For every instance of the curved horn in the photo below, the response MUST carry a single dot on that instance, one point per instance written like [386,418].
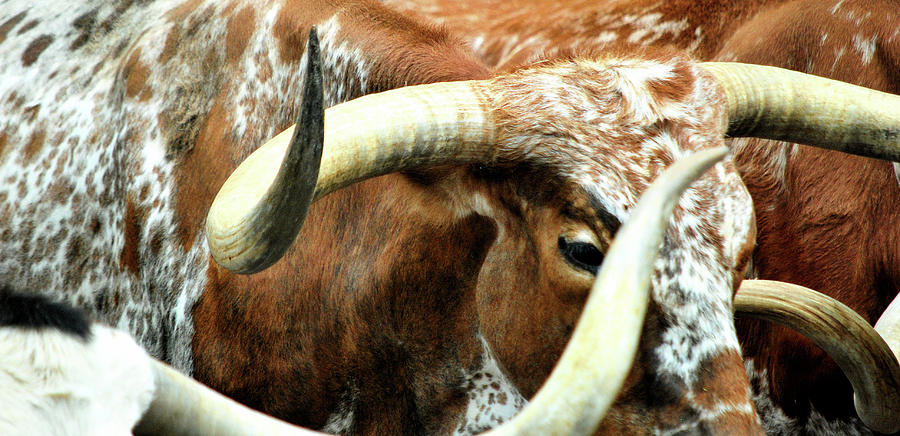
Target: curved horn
[855,346]
[289,201]
[580,390]
[373,135]
[775,103]
[183,406]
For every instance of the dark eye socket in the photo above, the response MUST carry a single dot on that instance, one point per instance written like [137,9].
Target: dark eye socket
[582,255]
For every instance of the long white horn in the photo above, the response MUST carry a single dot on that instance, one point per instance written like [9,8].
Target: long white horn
[183,406]
[258,211]
[774,103]
[855,346]
[593,367]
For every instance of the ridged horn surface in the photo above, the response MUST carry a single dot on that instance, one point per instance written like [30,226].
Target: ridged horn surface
[855,346]
[775,103]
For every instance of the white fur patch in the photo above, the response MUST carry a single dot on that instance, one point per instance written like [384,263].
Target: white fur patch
[865,47]
[51,383]
[342,418]
[493,399]
[346,64]
[99,150]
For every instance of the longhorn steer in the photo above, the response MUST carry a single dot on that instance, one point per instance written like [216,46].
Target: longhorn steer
[822,217]
[454,126]
[387,315]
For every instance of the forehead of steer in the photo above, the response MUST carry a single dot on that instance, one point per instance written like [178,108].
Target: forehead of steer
[610,126]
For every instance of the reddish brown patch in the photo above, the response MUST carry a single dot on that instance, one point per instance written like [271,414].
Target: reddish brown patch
[376,286]
[202,172]
[530,343]
[404,51]
[292,28]
[722,380]
[35,144]
[240,29]
[34,50]
[96,225]
[675,89]
[265,70]
[61,163]
[9,25]
[144,193]
[734,423]
[14,99]
[179,17]
[171,44]
[97,67]
[136,75]
[31,112]
[3,142]
[60,191]
[28,26]
[181,12]
[134,219]
[60,237]
[75,253]
[823,224]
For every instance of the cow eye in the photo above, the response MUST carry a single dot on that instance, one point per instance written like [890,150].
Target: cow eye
[583,255]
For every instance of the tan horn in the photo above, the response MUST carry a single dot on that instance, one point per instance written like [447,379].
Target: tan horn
[855,346]
[258,211]
[593,367]
[775,103]
[183,406]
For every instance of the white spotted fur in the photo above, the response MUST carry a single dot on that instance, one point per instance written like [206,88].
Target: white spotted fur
[79,180]
[493,399]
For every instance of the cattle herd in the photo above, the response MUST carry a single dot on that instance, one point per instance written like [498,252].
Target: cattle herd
[449,217]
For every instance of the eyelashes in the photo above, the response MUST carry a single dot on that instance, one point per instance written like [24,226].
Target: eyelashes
[582,255]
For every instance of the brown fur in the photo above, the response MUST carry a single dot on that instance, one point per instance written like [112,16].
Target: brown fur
[355,323]
[35,49]
[9,24]
[348,321]
[574,25]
